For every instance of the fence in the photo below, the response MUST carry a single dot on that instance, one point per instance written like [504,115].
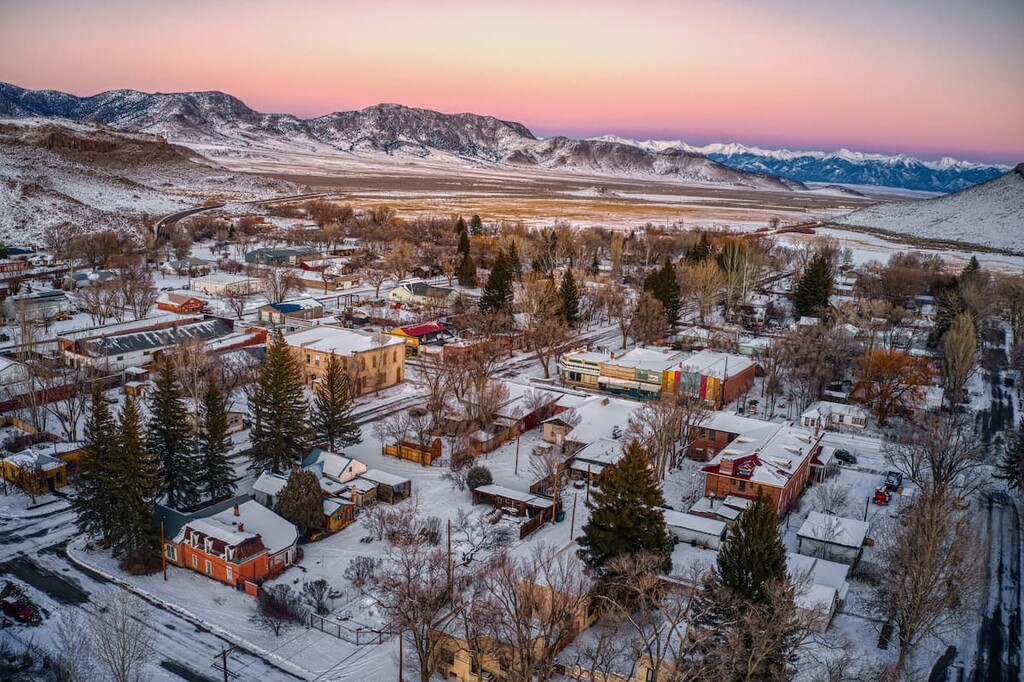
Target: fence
[344,630]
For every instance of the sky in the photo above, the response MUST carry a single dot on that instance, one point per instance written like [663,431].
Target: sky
[924,77]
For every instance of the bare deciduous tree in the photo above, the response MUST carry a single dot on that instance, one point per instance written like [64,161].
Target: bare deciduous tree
[959,355]
[278,284]
[236,299]
[118,638]
[938,452]
[277,606]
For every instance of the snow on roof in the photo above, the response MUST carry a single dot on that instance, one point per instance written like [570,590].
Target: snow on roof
[270,483]
[698,524]
[770,461]
[332,504]
[7,363]
[383,478]
[333,465]
[32,458]
[276,532]
[519,496]
[730,422]
[598,418]
[294,305]
[602,452]
[223,278]
[740,503]
[718,365]
[834,530]
[823,408]
[586,356]
[648,359]
[821,572]
[119,344]
[340,341]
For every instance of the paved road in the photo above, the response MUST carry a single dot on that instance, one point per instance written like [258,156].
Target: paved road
[169,220]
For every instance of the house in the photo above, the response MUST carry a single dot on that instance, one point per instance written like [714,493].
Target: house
[80,280]
[39,305]
[530,510]
[373,361]
[338,470]
[338,513]
[34,470]
[823,586]
[303,308]
[595,418]
[834,416]
[581,368]
[832,537]
[117,351]
[186,267]
[695,530]
[180,302]
[327,281]
[390,488]
[716,378]
[719,429]
[727,511]
[221,284]
[778,465]
[416,334]
[420,293]
[238,542]
[12,371]
[8,266]
[281,256]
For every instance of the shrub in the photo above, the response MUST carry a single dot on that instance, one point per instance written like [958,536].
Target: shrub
[477,476]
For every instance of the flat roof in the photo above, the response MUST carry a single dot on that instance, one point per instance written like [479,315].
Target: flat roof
[340,341]
[526,498]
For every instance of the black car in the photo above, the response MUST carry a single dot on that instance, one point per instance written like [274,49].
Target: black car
[893,481]
[846,456]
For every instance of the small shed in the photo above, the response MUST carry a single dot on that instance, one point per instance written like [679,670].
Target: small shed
[696,530]
[832,537]
[390,488]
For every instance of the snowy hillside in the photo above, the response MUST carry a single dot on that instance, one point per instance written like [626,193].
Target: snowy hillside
[215,118]
[839,167]
[990,214]
[54,171]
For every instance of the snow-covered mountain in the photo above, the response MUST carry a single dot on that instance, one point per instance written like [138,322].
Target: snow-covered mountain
[989,214]
[839,167]
[215,118]
[54,171]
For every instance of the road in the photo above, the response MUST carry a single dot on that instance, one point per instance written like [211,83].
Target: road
[169,220]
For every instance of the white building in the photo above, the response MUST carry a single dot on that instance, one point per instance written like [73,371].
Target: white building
[831,537]
[222,283]
[834,416]
[696,530]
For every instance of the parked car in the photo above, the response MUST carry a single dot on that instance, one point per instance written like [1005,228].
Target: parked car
[18,608]
[846,456]
[893,481]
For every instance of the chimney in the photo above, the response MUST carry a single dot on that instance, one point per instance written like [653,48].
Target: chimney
[352,493]
[241,527]
[237,513]
[612,354]
[725,466]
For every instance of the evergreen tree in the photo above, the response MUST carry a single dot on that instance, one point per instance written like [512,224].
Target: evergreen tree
[280,413]
[754,554]
[466,269]
[170,440]
[301,500]
[497,293]
[595,266]
[664,286]
[476,226]
[1011,466]
[569,297]
[215,475]
[133,537]
[626,515]
[331,417]
[515,264]
[972,267]
[814,288]
[94,483]
[460,226]
[700,251]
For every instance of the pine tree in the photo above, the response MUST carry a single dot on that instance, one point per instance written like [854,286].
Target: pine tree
[625,516]
[331,417]
[1011,466]
[497,294]
[280,432]
[301,500]
[460,226]
[95,468]
[133,536]
[215,475]
[476,226]
[972,267]
[467,269]
[515,264]
[754,554]
[664,286]
[170,440]
[814,288]
[569,298]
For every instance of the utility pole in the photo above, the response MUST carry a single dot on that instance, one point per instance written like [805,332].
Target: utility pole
[516,471]
[224,662]
[163,553]
[572,519]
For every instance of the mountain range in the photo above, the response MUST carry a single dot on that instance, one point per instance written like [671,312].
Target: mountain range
[215,118]
[989,214]
[838,167]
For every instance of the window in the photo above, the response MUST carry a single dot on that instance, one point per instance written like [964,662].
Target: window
[209,567]
[317,361]
[229,575]
[195,562]
[307,358]
[374,361]
[743,485]
[171,552]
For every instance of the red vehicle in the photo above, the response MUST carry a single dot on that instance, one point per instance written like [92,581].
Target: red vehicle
[18,609]
[882,496]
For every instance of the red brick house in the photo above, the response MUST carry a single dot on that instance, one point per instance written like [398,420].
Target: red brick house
[183,304]
[778,465]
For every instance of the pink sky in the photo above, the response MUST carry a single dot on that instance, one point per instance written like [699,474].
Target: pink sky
[916,76]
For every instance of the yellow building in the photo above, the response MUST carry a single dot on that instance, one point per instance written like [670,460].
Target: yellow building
[373,361]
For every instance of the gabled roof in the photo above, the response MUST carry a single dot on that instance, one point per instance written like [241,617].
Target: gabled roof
[423,329]
[340,341]
[154,338]
[333,465]
[717,365]
[771,460]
